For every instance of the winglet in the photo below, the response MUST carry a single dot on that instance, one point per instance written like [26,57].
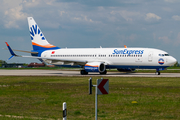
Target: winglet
[125,46]
[11,51]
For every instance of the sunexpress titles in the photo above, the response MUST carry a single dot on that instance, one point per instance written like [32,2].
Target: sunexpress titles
[129,52]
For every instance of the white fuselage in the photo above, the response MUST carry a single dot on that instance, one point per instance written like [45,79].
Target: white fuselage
[113,57]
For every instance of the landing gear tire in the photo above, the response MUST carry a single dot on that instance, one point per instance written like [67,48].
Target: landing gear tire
[103,73]
[83,72]
[158,73]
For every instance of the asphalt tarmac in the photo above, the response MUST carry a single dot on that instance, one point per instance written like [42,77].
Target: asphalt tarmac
[77,73]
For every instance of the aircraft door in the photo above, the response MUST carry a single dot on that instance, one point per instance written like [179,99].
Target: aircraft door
[150,56]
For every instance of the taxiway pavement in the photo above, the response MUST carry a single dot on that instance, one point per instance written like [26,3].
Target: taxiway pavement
[77,73]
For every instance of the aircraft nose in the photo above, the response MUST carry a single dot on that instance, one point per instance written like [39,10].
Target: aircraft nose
[173,60]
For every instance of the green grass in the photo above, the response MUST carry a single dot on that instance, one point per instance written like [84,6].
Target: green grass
[42,97]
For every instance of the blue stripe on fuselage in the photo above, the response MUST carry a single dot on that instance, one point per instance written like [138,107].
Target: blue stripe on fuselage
[120,66]
[133,67]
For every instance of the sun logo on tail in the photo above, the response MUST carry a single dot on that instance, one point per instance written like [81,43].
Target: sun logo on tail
[35,31]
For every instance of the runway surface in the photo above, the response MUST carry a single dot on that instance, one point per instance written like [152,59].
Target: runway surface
[77,73]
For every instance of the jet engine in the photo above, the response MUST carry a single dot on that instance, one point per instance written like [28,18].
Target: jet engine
[95,67]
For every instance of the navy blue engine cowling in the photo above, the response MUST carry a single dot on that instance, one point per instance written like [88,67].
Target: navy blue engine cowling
[94,67]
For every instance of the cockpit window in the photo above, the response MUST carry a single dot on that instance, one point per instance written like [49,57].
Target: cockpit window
[163,54]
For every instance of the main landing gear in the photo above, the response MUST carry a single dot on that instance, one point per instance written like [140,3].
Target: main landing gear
[83,72]
[103,73]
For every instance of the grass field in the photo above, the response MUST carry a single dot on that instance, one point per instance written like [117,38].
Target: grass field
[42,98]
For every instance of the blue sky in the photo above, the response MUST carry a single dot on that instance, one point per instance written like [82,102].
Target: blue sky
[91,23]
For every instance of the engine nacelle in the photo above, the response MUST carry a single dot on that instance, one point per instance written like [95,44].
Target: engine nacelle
[94,67]
[125,70]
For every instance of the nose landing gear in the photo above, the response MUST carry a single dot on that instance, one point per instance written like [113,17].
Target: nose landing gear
[157,73]
[158,70]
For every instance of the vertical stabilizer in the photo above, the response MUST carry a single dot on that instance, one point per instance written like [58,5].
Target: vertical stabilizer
[39,41]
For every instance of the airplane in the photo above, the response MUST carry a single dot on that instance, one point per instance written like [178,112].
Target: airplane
[95,59]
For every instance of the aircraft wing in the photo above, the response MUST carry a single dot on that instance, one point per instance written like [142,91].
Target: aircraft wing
[51,60]
[55,59]
[22,51]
